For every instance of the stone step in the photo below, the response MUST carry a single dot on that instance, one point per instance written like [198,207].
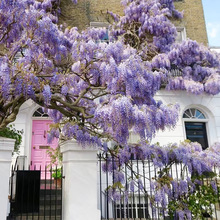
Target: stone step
[55,214]
[55,192]
[41,215]
[50,207]
[50,197]
[51,201]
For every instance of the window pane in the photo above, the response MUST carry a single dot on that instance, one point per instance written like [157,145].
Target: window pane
[199,114]
[196,131]
[187,114]
[193,113]
[40,113]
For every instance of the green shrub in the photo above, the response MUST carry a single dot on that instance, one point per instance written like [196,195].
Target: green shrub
[11,132]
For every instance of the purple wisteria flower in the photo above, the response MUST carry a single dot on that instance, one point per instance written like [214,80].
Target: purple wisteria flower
[47,94]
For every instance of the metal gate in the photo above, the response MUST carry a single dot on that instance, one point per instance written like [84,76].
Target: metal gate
[35,194]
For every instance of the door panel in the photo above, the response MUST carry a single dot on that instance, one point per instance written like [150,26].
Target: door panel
[39,147]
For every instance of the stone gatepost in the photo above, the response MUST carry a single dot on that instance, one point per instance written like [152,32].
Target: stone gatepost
[6,148]
[80,182]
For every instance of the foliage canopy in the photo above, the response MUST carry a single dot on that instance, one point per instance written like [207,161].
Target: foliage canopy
[96,91]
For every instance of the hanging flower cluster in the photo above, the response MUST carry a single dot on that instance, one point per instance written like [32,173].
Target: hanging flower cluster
[97,91]
[199,68]
[145,25]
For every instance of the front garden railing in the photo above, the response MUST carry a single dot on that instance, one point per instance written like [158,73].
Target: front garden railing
[132,195]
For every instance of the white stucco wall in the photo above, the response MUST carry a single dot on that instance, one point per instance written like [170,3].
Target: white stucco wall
[6,148]
[209,105]
[24,122]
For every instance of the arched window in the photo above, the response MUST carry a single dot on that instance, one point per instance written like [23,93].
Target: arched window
[195,126]
[40,113]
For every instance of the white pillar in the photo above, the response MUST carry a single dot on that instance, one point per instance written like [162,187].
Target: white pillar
[80,182]
[6,148]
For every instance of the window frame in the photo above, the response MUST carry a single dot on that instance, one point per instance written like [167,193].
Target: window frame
[182,31]
[205,121]
[41,114]
[98,24]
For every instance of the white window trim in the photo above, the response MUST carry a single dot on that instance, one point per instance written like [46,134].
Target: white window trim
[101,25]
[195,120]
[182,31]
[98,24]
[206,120]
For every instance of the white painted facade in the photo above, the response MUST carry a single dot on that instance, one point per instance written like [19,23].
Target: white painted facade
[208,104]
[6,148]
[24,122]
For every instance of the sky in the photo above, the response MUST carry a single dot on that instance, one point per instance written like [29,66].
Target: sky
[212,19]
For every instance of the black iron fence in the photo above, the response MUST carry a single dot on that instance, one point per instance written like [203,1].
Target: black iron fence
[35,194]
[175,72]
[119,202]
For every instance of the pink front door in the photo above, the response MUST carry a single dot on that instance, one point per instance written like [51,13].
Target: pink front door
[39,146]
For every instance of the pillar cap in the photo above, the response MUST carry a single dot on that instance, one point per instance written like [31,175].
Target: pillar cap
[7,144]
[73,145]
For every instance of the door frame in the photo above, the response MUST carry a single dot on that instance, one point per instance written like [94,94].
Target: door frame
[32,118]
[35,119]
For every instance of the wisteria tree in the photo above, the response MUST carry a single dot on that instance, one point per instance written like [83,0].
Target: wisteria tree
[96,91]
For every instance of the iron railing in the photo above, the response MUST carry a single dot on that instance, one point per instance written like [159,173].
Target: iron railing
[175,72]
[35,194]
[137,205]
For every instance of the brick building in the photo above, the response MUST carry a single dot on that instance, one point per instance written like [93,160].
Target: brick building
[85,11]
[193,21]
